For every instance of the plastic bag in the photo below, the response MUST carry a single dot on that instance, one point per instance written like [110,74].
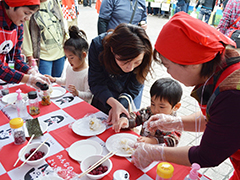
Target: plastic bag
[193,14]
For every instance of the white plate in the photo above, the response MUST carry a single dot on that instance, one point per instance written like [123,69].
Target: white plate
[84,148]
[113,143]
[82,128]
[43,127]
[57,92]
[11,98]
[2,82]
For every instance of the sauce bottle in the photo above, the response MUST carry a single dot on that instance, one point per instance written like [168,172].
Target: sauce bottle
[16,125]
[164,171]
[46,93]
[34,66]
[33,103]
[193,175]
[21,106]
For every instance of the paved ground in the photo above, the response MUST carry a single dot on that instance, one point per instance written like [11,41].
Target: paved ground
[88,22]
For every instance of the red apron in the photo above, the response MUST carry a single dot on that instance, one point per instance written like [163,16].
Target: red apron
[235,158]
[8,40]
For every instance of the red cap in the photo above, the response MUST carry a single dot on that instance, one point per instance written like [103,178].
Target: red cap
[186,40]
[19,3]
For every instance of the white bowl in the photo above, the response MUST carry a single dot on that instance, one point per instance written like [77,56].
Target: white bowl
[44,148]
[90,160]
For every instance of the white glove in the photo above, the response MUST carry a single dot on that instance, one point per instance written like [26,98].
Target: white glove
[165,123]
[34,79]
[31,71]
[44,78]
[146,153]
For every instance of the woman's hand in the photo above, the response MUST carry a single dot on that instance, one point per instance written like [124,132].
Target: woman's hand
[145,154]
[116,111]
[121,123]
[72,89]
[165,122]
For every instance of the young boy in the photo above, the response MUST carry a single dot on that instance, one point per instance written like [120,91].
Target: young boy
[165,94]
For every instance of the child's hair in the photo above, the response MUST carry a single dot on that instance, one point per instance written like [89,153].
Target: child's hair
[77,43]
[167,89]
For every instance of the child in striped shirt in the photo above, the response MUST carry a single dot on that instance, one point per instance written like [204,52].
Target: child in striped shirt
[165,94]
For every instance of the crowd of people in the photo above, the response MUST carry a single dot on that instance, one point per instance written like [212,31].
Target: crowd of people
[120,58]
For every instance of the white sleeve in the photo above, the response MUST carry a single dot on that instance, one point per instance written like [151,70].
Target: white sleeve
[86,94]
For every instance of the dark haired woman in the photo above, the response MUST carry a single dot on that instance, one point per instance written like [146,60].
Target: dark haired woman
[119,62]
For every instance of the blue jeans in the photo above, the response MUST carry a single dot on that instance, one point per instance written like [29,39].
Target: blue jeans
[180,8]
[187,7]
[52,68]
[155,11]
[206,12]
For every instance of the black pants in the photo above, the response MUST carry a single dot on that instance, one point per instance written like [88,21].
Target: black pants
[87,3]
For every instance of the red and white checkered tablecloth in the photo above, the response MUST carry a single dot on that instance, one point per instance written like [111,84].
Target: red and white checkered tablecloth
[59,116]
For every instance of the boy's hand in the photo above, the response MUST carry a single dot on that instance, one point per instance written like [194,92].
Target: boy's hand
[149,140]
[52,79]
[72,89]
[121,123]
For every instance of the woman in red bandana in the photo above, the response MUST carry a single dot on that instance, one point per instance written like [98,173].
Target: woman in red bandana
[195,54]
[13,13]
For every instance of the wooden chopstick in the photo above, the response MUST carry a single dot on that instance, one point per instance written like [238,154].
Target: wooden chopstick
[99,162]
[33,153]
[24,150]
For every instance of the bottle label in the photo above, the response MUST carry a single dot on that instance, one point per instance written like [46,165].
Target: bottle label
[11,64]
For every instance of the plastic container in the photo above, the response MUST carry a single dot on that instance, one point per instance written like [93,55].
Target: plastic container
[164,171]
[46,98]
[33,103]
[34,66]
[21,106]
[193,175]
[16,125]
[121,175]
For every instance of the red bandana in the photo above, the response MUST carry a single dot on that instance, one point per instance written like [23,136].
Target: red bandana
[186,40]
[18,3]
